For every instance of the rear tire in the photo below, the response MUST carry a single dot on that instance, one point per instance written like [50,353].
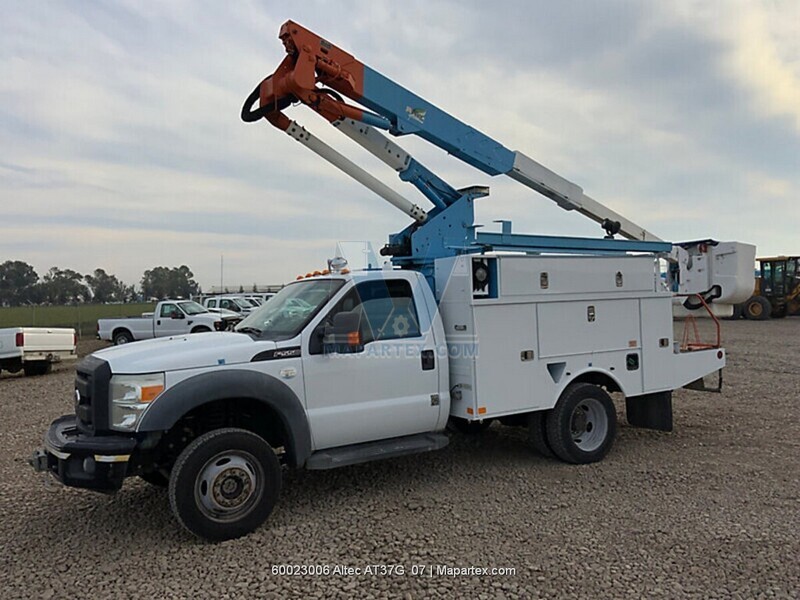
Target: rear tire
[582,426]
[224,484]
[39,367]
[757,308]
[122,336]
[537,433]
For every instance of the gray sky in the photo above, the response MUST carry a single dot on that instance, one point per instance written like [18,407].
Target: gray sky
[122,146]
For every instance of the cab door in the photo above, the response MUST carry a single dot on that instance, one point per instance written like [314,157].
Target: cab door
[170,320]
[386,386]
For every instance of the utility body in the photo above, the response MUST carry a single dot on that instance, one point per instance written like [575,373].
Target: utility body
[344,367]
[35,349]
[170,318]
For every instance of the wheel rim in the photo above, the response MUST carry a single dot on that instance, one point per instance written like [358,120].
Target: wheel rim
[589,425]
[122,339]
[755,309]
[229,486]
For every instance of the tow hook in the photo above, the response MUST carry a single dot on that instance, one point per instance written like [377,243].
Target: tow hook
[38,461]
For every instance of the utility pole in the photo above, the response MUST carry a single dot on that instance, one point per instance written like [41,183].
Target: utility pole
[220,273]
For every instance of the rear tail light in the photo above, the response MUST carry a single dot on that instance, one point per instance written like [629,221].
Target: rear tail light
[20,338]
[74,338]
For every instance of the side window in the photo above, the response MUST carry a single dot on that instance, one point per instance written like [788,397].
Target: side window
[766,273]
[389,310]
[386,308]
[167,310]
[212,304]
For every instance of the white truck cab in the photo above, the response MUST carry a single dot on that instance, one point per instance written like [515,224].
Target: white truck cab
[346,367]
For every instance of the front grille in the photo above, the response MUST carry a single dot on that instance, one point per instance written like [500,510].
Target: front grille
[83,398]
[92,381]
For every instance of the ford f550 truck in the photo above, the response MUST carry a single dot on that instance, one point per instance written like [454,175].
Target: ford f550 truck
[35,349]
[345,367]
[171,317]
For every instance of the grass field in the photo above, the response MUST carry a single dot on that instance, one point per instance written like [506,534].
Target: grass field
[83,317]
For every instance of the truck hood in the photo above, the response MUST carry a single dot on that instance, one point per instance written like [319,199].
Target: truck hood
[183,352]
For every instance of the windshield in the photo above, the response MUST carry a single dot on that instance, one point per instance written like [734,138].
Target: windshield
[242,302]
[286,313]
[192,308]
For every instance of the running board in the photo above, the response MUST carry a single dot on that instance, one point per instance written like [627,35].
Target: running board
[360,453]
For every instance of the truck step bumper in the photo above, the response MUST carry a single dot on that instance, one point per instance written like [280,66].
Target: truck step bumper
[361,453]
[81,460]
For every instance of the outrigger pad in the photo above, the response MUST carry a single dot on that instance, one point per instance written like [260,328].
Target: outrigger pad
[651,411]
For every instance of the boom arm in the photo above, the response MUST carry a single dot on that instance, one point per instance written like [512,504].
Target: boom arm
[318,74]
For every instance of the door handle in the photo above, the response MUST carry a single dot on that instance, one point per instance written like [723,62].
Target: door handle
[428,360]
[158,322]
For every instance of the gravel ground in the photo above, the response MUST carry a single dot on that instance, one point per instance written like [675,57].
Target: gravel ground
[711,510]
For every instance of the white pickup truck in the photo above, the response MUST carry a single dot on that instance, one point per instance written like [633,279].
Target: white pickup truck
[347,367]
[171,317]
[238,304]
[35,349]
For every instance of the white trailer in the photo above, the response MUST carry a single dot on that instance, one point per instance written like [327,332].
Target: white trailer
[35,349]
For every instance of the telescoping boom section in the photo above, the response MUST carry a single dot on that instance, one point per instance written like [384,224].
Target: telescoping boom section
[322,76]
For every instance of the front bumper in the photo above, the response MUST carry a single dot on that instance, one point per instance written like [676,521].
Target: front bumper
[82,460]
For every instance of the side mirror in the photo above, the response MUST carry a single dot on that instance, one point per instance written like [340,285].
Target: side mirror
[177,315]
[344,335]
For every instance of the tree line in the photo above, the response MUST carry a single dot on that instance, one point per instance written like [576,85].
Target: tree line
[21,284]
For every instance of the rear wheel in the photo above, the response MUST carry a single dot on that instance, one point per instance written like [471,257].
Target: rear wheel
[537,433]
[39,367]
[123,336]
[582,426]
[224,484]
[757,308]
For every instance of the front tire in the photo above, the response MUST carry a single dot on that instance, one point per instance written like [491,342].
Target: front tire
[224,484]
[757,308]
[201,329]
[582,425]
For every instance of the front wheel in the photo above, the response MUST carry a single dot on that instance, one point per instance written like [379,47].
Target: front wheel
[582,425]
[224,484]
[757,308]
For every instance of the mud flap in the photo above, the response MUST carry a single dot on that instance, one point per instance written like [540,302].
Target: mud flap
[651,411]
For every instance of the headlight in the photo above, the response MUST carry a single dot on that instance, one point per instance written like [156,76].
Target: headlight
[130,396]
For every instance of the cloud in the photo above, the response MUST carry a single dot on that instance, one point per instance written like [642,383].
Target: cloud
[122,143]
